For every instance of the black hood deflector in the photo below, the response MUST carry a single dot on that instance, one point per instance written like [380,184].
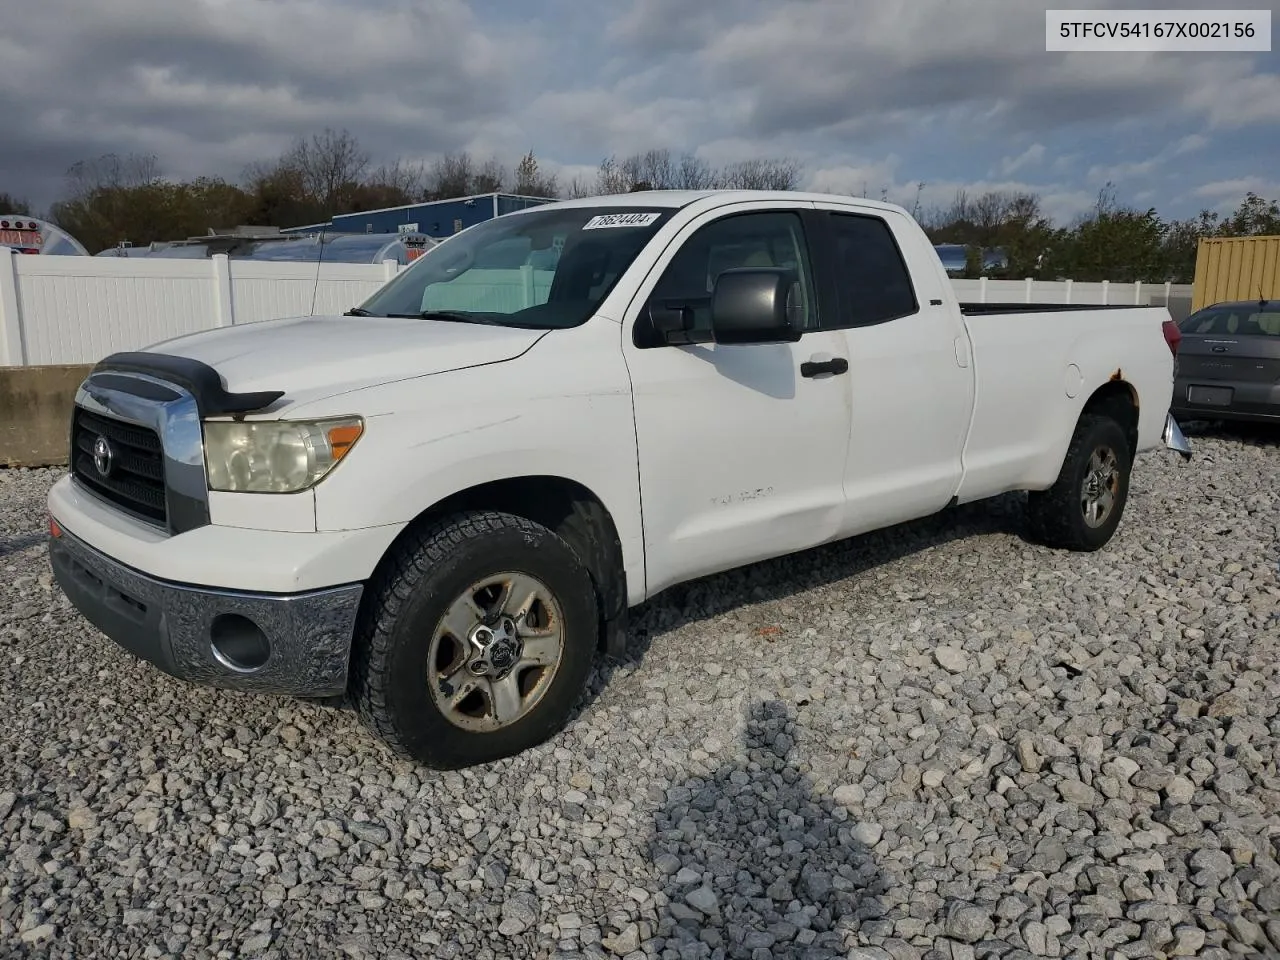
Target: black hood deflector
[203,381]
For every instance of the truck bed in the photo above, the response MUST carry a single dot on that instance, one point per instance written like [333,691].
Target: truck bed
[1034,372]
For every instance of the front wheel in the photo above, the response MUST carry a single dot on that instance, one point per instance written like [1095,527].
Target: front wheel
[476,641]
[1082,510]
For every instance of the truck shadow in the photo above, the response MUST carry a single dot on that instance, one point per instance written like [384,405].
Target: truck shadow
[19,543]
[783,577]
[752,859]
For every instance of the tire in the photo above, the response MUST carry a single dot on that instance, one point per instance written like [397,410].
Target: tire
[409,665]
[1059,516]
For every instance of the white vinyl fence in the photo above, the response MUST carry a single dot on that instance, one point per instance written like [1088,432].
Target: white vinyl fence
[79,309]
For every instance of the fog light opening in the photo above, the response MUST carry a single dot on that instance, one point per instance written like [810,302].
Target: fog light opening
[238,643]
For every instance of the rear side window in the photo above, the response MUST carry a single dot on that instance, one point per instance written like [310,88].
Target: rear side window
[871,276]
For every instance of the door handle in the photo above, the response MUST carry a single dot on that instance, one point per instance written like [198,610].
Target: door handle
[815,368]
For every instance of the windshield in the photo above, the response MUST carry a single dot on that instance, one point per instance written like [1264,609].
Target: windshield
[1239,321]
[546,269]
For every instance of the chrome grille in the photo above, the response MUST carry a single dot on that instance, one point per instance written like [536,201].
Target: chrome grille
[133,478]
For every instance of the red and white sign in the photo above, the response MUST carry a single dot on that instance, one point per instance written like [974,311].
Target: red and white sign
[23,234]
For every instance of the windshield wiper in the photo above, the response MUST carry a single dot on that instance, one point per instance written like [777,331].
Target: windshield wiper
[456,316]
[357,312]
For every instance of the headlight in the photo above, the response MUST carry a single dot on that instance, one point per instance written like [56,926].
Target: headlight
[275,456]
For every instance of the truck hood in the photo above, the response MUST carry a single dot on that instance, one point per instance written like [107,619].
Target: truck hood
[311,358]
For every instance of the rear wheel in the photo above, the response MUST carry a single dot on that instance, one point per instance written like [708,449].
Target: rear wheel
[476,642]
[1083,508]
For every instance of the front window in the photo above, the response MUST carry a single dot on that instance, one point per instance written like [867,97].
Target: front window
[766,239]
[545,270]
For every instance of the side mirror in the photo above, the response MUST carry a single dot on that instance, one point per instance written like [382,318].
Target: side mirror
[751,305]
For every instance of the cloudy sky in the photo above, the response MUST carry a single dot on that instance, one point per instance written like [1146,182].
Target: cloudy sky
[869,94]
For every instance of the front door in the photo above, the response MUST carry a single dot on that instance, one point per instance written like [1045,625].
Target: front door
[742,448]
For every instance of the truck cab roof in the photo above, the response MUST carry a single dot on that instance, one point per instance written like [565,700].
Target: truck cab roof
[675,199]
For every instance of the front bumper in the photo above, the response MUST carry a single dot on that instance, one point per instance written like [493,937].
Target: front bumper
[296,644]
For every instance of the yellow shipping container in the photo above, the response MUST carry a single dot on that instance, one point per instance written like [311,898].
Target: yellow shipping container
[1236,268]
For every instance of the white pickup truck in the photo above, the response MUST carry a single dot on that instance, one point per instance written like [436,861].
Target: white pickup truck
[442,504]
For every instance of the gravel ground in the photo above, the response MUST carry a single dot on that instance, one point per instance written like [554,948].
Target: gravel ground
[937,741]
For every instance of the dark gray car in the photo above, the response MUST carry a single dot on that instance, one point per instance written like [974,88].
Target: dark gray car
[1228,365]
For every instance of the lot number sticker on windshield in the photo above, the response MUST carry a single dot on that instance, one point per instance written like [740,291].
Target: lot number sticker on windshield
[620,220]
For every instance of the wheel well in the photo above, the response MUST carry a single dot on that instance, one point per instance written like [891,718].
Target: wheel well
[567,508]
[1119,400]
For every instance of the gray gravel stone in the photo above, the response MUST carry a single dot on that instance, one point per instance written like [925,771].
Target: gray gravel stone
[951,659]
[1028,756]
[968,923]
[1180,790]
[849,795]
[1106,751]
[1187,942]
[704,900]
[625,942]
[868,834]
[1075,792]
[374,833]
[39,934]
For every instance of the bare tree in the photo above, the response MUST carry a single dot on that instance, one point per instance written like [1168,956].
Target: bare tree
[760,174]
[327,163]
[658,170]
[490,178]
[579,187]
[613,178]
[451,176]
[1107,201]
[112,172]
[694,173]
[989,212]
[1024,208]
[398,177]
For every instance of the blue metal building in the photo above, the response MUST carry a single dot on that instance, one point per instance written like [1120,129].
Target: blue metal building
[437,218]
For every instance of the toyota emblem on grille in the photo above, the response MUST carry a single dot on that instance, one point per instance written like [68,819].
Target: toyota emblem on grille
[103,457]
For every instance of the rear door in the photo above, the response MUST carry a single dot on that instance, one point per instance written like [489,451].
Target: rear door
[909,366]
[1229,358]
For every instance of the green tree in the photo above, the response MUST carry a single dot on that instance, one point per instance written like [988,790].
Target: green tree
[531,181]
[1254,217]
[1114,243]
[1182,243]
[11,204]
[113,199]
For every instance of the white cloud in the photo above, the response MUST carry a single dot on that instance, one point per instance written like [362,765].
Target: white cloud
[1231,97]
[1235,189]
[863,179]
[877,179]
[937,88]
[207,84]
[1121,172]
[1030,157]
[1190,143]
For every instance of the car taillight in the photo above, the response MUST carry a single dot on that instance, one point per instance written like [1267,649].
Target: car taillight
[1172,336]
